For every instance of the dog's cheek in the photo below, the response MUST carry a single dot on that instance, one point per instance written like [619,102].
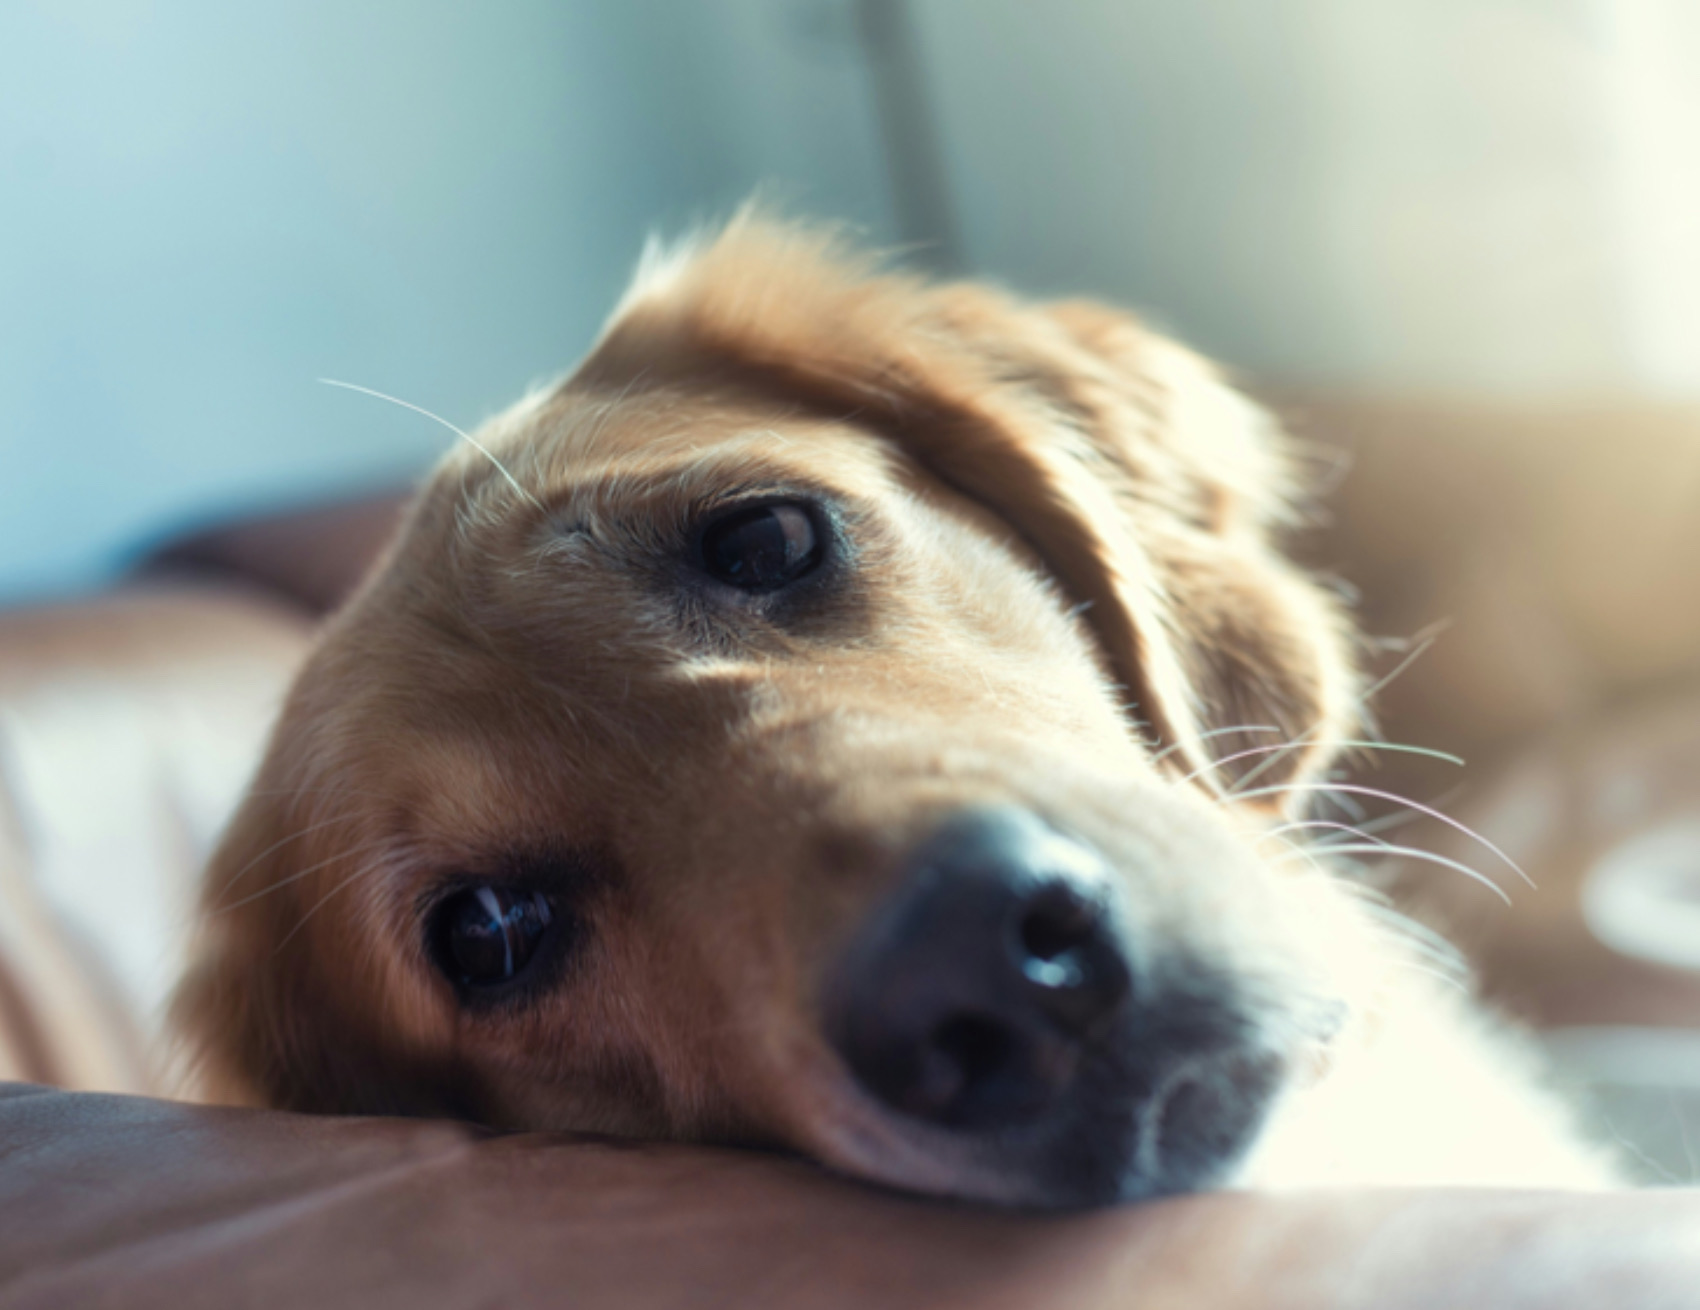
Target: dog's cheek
[1350,952]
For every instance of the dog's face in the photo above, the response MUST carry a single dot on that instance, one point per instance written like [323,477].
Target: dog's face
[788,743]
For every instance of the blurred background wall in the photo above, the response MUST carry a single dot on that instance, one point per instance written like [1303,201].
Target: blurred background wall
[205,207]
[1492,195]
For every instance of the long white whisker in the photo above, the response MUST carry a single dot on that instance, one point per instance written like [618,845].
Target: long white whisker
[1296,850]
[299,874]
[277,845]
[438,418]
[1170,749]
[1639,1154]
[1302,824]
[1412,933]
[1353,742]
[320,904]
[1356,812]
[1395,818]
[1354,789]
[1424,642]
[1425,942]
[1275,757]
[1427,857]
[1418,936]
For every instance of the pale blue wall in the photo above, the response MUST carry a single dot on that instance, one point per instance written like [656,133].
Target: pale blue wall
[204,206]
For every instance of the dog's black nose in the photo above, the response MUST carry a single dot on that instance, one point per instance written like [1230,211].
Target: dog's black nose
[969,998]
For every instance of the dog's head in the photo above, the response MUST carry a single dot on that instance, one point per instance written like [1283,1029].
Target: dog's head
[797,729]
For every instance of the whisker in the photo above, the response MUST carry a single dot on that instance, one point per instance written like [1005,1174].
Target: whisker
[320,904]
[1356,743]
[1404,748]
[376,844]
[1639,1154]
[1301,824]
[1417,937]
[1357,813]
[438,418]
[1413,931]
[1356,790]
[1170,749]
[1399,818]
[1299,850]
[1424,642]
[278,845]
[1414,934]
[1292,744]
[1687,1145]
[1417,934]
[1427,857]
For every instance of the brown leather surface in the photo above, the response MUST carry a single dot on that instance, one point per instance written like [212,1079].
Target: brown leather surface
[123,1201]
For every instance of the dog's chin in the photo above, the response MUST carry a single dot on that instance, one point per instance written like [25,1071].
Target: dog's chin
[1115,1139]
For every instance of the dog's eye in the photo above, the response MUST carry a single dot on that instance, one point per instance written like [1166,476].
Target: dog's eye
[761,549]
[486,936]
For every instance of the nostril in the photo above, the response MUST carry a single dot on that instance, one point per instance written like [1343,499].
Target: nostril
[964,1051]
[979,1070]
[1057,920]
[964,1071]
[1066,952]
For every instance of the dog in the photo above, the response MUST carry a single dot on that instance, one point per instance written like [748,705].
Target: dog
[863,717]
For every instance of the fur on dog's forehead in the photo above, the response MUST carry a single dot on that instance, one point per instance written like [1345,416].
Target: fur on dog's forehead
[580,592]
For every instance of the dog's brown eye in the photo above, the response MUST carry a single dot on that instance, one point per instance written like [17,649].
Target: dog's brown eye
[761,549]
[486,936]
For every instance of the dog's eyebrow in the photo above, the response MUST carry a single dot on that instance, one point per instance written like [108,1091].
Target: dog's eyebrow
[684,485]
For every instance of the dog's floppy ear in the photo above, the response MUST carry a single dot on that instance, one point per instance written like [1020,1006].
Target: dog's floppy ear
[1213,484]
[1150,488]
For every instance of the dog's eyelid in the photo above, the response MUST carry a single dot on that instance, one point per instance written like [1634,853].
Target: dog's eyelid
[567,874]
[752,495]
[608,515]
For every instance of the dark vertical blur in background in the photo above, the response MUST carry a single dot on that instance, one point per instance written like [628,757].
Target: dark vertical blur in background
[207,206]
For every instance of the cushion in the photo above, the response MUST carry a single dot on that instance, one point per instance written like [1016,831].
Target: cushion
[129,724]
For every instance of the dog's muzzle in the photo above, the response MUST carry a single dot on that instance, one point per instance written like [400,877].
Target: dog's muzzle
[1000,999]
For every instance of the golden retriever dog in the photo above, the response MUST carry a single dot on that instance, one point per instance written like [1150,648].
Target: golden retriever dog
[864,718]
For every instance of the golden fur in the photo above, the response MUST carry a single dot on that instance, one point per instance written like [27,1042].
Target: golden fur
[1066,591]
